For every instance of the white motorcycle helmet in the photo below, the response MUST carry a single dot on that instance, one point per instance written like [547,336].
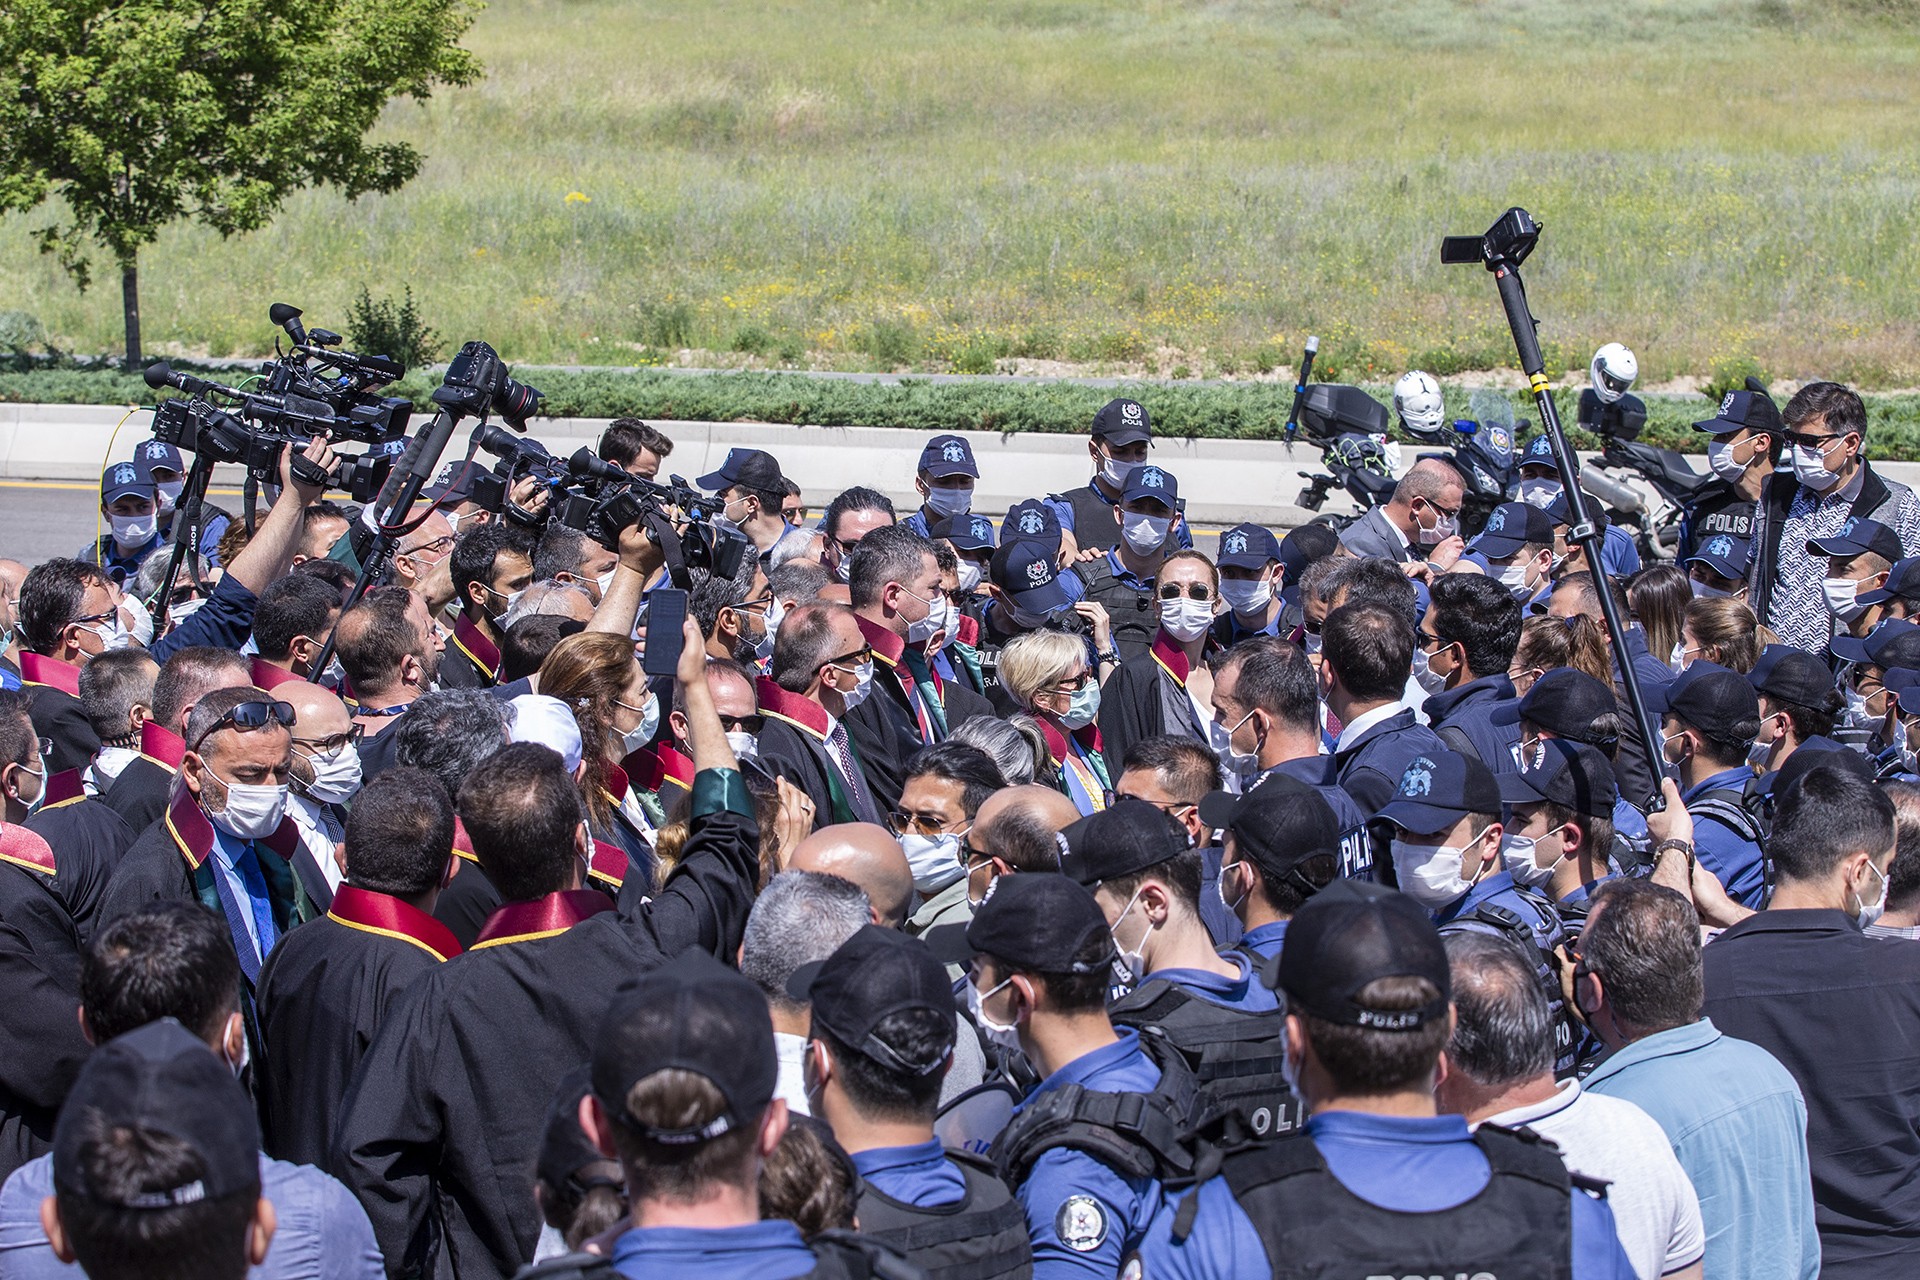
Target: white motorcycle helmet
[1417,401]
[1613,371]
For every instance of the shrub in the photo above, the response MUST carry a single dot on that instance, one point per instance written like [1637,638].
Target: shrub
[393,329]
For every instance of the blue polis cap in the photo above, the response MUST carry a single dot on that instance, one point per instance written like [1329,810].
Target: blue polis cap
[948,456]
[1149,481]
[1031,521]
[1707,696]
[1024,570]
[967,532]
[1511,526]
[1894,643]
[1248,546]
[1858,534]
[1539,452]
[123,479]
[1439,789]
[158,455]
[1725,554]
[1903,583]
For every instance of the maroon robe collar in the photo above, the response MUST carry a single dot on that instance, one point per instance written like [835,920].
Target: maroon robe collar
[1171,659]
[37,668]
[656,767]
[162,746]
[462,842]
[192,832]
[608,864]
[24,848]
[1056,734]
[553,914]
[389,917]
[64,787]
[268,676]
[803,714]
[968,632]
[471,641]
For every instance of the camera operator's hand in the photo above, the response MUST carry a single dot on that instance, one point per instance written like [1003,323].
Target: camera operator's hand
[1096,615]
[639,552]
[640,559]
[530,495]
[1446,552]
[320,455]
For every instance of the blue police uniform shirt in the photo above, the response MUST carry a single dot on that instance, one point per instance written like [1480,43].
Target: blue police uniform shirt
[1356,850]
[1266,940]
[1081,1215]
[918,1175]
[8,680]
[1734,861]
[1244,991]
[106,553]
[771,1250]
[1582,893]
[1406,1163]
[1618,555]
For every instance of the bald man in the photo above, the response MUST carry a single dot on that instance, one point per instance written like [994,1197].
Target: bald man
[549,595]
[1420,521]
[12,574]
[325,770]
[870,857]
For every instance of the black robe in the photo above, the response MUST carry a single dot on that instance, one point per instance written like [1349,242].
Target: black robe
[793,746]
[28,903]
[442,1124]
[1132,702]
[53,704]
[471,661]
[88,840]
[141,792]
[323,994]
[41,1048]
[884,728]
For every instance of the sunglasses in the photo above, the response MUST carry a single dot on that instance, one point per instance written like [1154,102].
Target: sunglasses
[1194,591]
[249,716]
[854,659]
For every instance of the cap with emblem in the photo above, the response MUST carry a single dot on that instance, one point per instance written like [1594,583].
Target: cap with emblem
[1856,535]
[1437,790]
[158,455]
[452,486]
[123,479]
[1040,922]
[161,1078]
[1539,452]
[1559,513]
[746,469]
[1511,526]
[1122,422]
[1150,482]
[966,532]
[1031,521]
[1278,825]
[948,456]
[1024,570]
[872,976]
[1791,675]
[1725,554]
[1564,702]
[1710,698]
[1248,546]
[691,1014]
[1570,774]
[1347,937]
[1129,835]
[1903,583]
[1894,643]
[1740,410]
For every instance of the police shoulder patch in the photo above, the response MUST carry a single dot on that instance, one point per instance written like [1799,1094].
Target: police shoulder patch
[1081,1224]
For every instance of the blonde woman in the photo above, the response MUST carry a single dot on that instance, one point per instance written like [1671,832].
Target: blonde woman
[1048,674]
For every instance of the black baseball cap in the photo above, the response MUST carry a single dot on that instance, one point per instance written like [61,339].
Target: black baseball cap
[1564,702]
[1811,755]
[1856,535]
[1351,934]
[1561,514]
[1787,674]
[1247,546]
[871,976]
[967,532]
[748,468]
[564,1146]
[691,1014]
[1438,789]
[1571,774]
[1129,835]
[1709,697]
[1740,410]
[948,456]
[1278,825]
[1725,554]
[1038,921]
[1122,422]
[1903,583]
[1894,643]
[1031,521]
[164,1078]
[1149,481]
[1511,526]
[1025,571]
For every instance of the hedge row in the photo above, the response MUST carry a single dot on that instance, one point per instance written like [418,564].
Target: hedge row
[1256,411]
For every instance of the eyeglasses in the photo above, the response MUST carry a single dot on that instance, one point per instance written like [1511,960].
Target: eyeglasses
[336,742]
[743,724]
[249,716]
[428,548]
[1072,684]
[861,655]
[921,825]
[1194,591]
[46,748]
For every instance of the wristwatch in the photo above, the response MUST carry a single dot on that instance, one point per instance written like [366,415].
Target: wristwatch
[1111,655]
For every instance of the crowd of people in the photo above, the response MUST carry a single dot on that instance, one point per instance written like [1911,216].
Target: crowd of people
[1060,896]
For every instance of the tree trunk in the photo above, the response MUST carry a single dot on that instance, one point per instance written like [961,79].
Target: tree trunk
[130,305]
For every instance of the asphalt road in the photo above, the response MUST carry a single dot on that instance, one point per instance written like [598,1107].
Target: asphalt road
[42,519]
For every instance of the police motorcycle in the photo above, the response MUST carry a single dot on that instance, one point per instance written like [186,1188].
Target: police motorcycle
[1350,428]
[1480,448]
[1617,417]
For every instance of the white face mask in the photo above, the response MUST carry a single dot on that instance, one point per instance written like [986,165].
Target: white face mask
[1872,911]
[336,778]
[1130,969]
[950,502]
[942,620]
[1514,578]
[1430,873]
[1840,593]
[745,745]
[1220,886]
[1539,492]
[1116,473]
[140,631]
[844,570]
[512,598]
[112,634]
[1858,717]
[134,531]
[1186,620]
[921,630]
[1678,658]
[863,678]
[776,614]
[1517,856]
[967,575]
[1429,679]
[1246,597]
[170,491]
[605,581]
[641,734]
[1145,534]
[253,812]
[1757,753]
[1810,469]
[935,860]
[1004,1034]
[1443,528]
[1702,591]
[1720,458]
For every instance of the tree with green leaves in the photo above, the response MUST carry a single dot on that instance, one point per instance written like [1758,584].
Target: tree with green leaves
[137,113]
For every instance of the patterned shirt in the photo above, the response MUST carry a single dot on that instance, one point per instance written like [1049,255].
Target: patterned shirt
[1798,609]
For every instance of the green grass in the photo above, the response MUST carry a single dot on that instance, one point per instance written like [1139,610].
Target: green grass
[1149,185]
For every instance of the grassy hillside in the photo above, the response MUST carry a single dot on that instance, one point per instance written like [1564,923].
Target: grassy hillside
[1170,188]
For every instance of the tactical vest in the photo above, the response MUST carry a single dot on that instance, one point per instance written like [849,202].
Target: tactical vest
[1491,917]
[1520,1225]
[1133,613]
[1094,525]
[981,1236]
[1137,1135]
[1235,1055]
[839,1255]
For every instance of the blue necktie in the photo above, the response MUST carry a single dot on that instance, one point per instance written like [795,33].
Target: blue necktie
[248,865]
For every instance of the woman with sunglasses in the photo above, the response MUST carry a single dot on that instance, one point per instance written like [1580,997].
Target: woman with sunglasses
[1169,689]
[1050,674]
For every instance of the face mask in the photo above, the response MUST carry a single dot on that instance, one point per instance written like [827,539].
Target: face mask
[968,576]
[1720,458]
[1247,597]
[942,620]
[1810,468]
[1313,642]
[512,598]
[1443,528]
[950,502]
[1840,593]
[776,613]
[922,630]
[721,520]
[1539,492]
[1130,967]
[1701,591]
[1757,753]
[935,860]
[1871,911]
[1220,886]
[1241,761]
[844,570]
[170,491]
[1429,873]
[1514,578]
[1115,472]
[1145,534]
[336,778]
[112,634]
[40,792]
[1430,680]
[641,734]
[134,531]
[1678,658]
[1186,620]
[253,812]
[605,581]
[1858,717]
[1004,1034]
[1084,708]
[1516,855]
[1026,619]
[1909,758]
[863,685]
[141,632]
[745,745]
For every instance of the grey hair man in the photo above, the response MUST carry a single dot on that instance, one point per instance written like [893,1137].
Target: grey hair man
[799,918]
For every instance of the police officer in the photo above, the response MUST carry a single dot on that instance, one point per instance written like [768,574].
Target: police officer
[1121,435]
[971,537]
[1618,556]
[1282,846]
[1718,568]
[944,481]
[1899,596]
[1515,547]
[1797,705]
[1742,451]
[1565,703]
[882,1041]
[127,504]
[1447,843]
[750,491]
[1709,719]
[1122,580]
[1250,582]
[1378,1183]
[1043,959]
[1860,559]
[163,467]
[1558,840]
[1465,644]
